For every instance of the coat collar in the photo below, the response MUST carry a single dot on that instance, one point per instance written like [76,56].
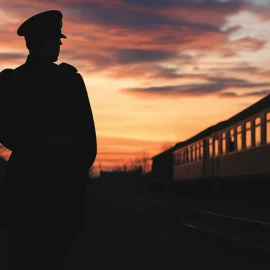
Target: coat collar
[38,60]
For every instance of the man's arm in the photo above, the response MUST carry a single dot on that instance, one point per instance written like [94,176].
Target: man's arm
[84,140]
[7,136]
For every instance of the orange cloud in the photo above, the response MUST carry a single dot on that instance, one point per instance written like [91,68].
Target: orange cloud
[249,44]
[214,13]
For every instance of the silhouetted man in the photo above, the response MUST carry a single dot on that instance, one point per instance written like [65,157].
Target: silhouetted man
[47,123]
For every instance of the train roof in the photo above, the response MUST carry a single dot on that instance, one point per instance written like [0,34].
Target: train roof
[261,105]
[170,150]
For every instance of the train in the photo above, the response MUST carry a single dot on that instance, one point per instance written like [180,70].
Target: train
[235,149]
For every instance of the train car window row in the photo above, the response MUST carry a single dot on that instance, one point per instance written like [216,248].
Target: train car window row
[188,154]
[249,134]
[240,137]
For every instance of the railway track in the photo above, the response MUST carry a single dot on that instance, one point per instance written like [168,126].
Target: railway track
[249,233]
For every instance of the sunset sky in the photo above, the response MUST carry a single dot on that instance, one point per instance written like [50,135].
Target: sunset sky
[155,70]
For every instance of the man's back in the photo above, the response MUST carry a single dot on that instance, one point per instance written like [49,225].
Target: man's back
[46,174]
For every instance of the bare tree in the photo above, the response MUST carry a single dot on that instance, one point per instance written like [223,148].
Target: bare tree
[167,145]
[144,160]
[131,164]
[137,163]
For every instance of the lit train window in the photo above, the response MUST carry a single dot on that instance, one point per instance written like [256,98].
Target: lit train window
[258,121]
[258,131]
[248,124]
[198,151]
[268,128]
[194,152]
[248,134]
[201,150]
[268,132]
[210,147]
[216,147]
[239,138]
[231,141]
[189,155]
[223,143]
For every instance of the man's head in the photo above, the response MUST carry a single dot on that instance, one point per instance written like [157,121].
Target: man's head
[42,33]
[47,46]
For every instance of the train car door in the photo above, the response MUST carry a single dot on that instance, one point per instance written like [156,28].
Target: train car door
[215,164]
[215,167]
[208,158]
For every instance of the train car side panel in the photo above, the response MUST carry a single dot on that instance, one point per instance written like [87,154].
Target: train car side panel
[189,172]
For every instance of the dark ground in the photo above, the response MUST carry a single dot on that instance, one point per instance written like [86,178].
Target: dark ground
[126,238]
[120,236]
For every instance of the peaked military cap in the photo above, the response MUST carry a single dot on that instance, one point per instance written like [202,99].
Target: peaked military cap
[44,23]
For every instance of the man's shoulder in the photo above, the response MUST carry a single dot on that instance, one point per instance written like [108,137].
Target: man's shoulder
[6,77]
[23,72]
[65,67]
[69,72]
[6,72]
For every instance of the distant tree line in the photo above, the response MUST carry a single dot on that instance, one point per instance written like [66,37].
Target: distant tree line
[142,162]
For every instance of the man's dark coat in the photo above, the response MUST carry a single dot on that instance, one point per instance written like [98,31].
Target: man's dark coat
[47,123]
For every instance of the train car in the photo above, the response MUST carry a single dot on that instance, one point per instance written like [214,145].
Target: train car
[162,167]
[238,148]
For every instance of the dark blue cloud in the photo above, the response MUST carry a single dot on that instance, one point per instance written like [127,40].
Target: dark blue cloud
[228,94]
[259,93]
[238,69]
[121,56]
[134,56]
[151,3]
[11,56]
[218,85]
[128,18]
